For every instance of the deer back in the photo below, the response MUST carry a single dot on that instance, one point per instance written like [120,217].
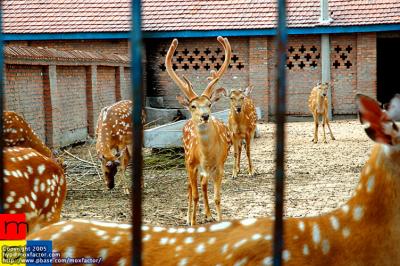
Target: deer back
[34,185]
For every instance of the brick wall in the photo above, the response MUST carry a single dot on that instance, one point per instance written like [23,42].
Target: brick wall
[24,94]
[71,83]
[366,64]
[105,91]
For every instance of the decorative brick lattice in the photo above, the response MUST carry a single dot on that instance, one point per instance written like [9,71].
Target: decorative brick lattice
[198,59]
[342,57]
[302,57]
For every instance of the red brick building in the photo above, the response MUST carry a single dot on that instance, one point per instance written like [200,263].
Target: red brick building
[351,44]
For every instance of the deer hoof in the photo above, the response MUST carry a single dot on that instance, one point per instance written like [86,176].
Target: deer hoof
[325,141]
[126,191]
[333,138]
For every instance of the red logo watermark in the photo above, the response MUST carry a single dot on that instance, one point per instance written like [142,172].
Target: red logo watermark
[13,226]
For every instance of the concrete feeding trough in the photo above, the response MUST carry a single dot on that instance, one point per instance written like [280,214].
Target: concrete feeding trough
[170,135]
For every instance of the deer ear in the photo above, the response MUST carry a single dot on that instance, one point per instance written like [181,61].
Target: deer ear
[218,93]
[183,101]
[379,127]
[248,90]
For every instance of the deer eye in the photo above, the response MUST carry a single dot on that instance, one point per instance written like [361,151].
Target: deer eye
[241,98]
[209,105]
[193,106]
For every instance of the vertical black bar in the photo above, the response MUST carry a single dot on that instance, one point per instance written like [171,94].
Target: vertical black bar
[280,133]
[137,128]
[1,113]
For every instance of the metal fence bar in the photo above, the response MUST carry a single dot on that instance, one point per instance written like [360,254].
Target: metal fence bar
[137,130]
[1,113]
[280,110]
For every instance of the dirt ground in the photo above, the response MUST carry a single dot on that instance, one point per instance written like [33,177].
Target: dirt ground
[320,177]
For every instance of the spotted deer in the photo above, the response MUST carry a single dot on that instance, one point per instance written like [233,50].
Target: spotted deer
[114,141]
[206,140]
[318,105]
[362,231]
[33,184]
[17,132]
[242,123]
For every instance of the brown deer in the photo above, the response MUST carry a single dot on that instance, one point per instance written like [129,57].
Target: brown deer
[17,132]
[33,184]
[114,141]
[206,140]
[242,123]
[318,105]
[363,231]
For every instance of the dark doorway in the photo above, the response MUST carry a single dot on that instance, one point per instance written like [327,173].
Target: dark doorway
[388,71]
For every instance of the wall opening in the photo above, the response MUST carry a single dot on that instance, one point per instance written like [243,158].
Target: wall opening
[388,56]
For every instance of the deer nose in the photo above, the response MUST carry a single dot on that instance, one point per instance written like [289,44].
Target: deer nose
[324,94]
[205,117]
[238,109]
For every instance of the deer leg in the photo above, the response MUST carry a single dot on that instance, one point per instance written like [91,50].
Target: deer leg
[249,139]
[329,127]
[316,118]
[236,156]
[323,127]
[217,191]
[124,165]
[195,194]
[189,211]
[204,184]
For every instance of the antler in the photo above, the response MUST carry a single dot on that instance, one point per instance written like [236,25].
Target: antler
[215,76]
[185,86]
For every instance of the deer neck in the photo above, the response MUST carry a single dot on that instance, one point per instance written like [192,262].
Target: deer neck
[206,135]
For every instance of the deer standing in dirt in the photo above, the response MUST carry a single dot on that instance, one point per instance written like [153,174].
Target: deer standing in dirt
[206,140]
[242,123]
[17,132]
[114,141]
[318,105]
[363,231]
[33,184]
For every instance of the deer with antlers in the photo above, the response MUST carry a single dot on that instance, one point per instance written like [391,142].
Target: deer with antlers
[242,123]
[363,231]
[33,184]
[114,141]
[17,132]
[318,105]
[206,140]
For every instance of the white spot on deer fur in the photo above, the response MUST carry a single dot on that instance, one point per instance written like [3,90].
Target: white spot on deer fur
[241,262]
[256,236]
[267,261]
[41,169]
[98,231]
[220,226]
[145,238]
[67,228]
[240,243]
[6,206]
[345,208]
[305,250]
[190,230]
[248,221]
[301,226]
[286,255]
[212,240]
[370,183]
[268,237]
[188,240]
[163,240]
[10,199]
[158,229]
[122,262]
[181,230]
[145,228]
[316,236]
[201,248]
[201,229]
[6,172]
[103,253]
[69,252]
[358,213]
[171,230]
[346,232]
[334,222]
[224,248]
[172,241]
[183,262]
[13,194]
[33,195]
[18,205]
[325,246]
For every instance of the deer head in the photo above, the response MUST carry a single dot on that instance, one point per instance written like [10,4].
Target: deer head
[199,106]
[109,166]
[322,89]
[237,97]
